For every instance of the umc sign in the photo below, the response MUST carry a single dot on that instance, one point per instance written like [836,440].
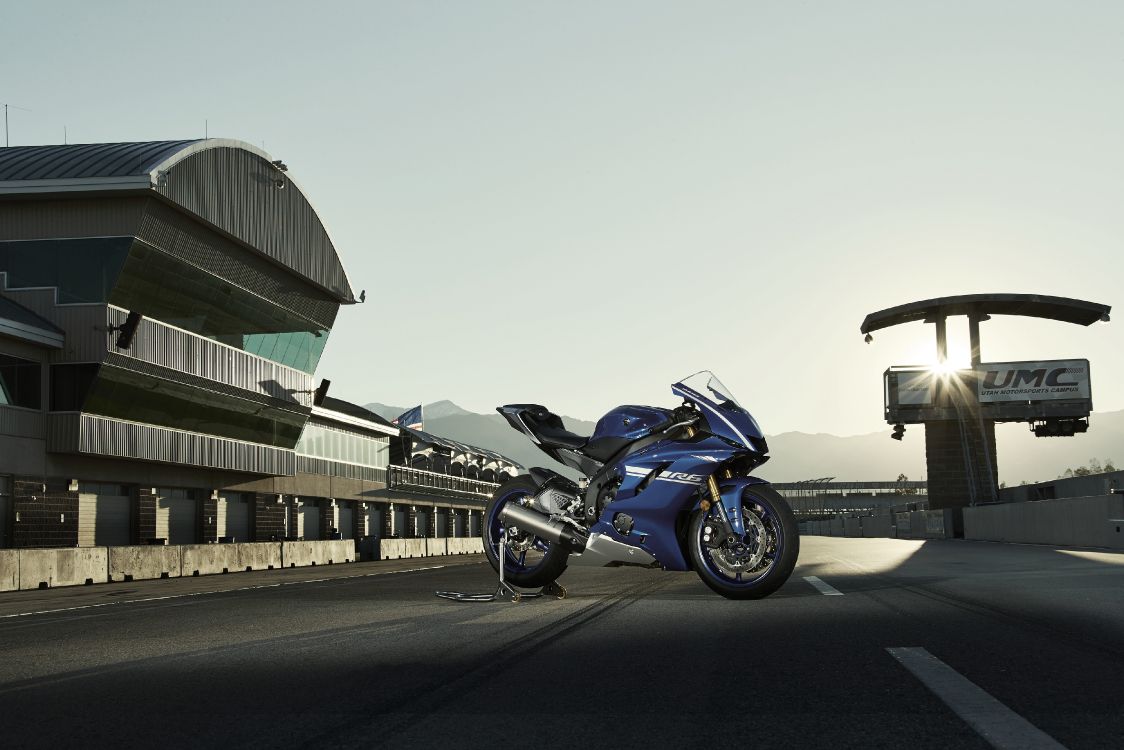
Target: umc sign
[959,408]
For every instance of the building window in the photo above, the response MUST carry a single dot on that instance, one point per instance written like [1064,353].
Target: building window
[20,382]
[138,397]
[319,441]
[169,290]
[69,385]
[82,270]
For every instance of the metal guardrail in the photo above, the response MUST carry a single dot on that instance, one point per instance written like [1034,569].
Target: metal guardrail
[435,483]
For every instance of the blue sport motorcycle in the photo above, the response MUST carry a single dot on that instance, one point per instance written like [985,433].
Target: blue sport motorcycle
[662,488]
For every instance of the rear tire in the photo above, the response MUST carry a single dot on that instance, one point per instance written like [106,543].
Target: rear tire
[731,571]
[539,562]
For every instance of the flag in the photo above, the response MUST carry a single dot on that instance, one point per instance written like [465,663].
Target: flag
[411,418]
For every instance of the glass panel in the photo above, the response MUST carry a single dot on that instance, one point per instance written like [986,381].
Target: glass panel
[335,445]
[166,289]
[83,270]
[124,394]
[69,385]
[20,382]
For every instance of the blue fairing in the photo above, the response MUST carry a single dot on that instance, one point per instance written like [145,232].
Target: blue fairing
[657,488]
[726,418]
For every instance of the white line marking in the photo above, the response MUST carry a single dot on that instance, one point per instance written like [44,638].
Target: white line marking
[824,588]
[999,725]
[220,591]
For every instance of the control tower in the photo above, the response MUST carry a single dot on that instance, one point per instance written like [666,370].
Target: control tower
[959,407]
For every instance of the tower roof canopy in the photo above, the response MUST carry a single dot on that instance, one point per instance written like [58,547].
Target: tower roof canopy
[1062,309]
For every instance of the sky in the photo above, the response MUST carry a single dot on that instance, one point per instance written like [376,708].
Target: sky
[578,203]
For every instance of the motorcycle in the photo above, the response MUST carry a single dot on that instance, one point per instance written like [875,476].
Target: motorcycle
[661,488]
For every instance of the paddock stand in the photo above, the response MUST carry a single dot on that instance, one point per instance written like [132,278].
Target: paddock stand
[505,591]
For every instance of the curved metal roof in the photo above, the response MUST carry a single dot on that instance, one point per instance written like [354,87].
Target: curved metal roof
[19,163]
[233,185]
[1062,309]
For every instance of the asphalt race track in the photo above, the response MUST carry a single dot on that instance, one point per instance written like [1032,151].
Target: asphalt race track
[891,643]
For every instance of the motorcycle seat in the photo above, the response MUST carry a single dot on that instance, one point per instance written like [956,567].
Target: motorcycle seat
[548,427]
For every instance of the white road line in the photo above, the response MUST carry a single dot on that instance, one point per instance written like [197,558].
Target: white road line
[824,588]
[999,725]
[220,591]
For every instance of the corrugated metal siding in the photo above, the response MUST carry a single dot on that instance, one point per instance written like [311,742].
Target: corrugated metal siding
[58,219]
[85,159]
[324,467]
[164,346]
[110,437]
[62,432]
[24,423]
[234,190]
[178,235]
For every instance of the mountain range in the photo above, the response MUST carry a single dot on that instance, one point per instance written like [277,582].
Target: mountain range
[800,455]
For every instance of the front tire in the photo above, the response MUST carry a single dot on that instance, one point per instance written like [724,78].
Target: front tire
[761,561]
[531,562]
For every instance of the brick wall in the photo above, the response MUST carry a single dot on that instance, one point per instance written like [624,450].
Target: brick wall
[208,518]
[145,516]
[269,518]
[47,511]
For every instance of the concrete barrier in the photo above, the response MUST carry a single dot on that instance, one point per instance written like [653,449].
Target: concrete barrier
[9,569]
[73,566]
[852,527]
[1096,521]
[467,545]
[209,559]
[438,546]
[328,552]
[259,555]
[144,563]
[392,549]
[902,526]
[413,548]
[876,526]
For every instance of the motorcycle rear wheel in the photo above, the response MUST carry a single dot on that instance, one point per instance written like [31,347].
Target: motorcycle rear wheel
[761,561]
[531,562]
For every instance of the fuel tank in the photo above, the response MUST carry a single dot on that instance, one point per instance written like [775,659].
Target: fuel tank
[628,423]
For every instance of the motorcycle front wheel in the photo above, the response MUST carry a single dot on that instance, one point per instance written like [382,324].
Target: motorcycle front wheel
[530,561]
[758,563]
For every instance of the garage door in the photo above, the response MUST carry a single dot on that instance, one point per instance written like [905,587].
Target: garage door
[347,521]
[441,523]
[233,518]
[310,516]
[421,521]
[458,524]
[374,521]
[103,520]
[400,529]
[176,517]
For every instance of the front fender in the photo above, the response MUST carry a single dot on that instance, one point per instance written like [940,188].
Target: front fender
[730,490]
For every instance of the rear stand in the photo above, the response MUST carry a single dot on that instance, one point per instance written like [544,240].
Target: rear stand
[505,591]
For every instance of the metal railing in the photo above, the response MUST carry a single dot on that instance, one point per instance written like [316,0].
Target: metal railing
[435,483]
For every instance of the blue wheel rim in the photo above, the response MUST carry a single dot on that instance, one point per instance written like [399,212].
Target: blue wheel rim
[516,561]
[775,543]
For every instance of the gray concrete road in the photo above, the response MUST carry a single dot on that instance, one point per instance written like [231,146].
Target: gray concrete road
[891,643]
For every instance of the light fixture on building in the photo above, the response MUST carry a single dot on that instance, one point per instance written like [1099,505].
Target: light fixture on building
[73,486]
[279,500]
[214,494]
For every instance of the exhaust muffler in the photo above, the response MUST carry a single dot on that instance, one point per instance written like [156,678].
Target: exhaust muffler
[542,526]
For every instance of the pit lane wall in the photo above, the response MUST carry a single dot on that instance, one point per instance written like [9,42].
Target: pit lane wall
[1095,521]
[22,569]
